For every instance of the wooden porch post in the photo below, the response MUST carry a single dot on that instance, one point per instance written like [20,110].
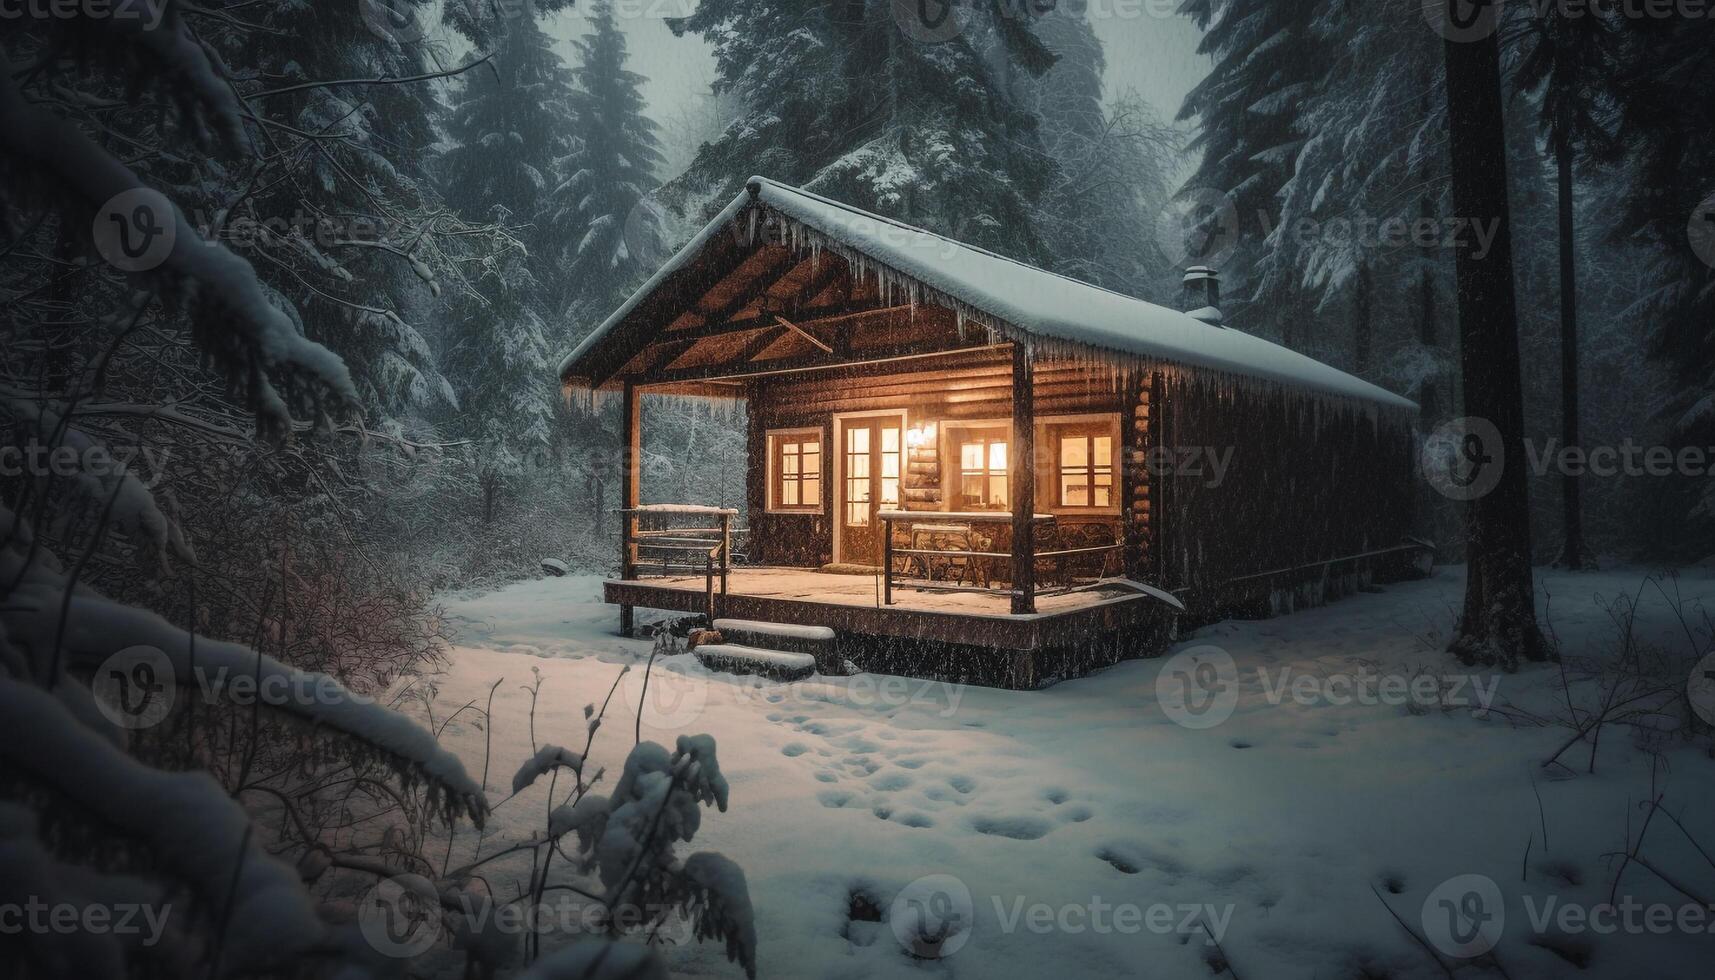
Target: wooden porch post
[631,469]
[1022,474]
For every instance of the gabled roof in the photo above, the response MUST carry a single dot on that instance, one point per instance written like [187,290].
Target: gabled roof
[1020,301]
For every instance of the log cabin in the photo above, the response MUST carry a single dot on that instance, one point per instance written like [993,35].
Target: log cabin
[965,467]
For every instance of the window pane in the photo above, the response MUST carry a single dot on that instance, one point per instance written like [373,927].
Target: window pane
[857,440]
[997,456]
[1104,450]
[789,464]
[1074,492]
[971,456]
[971,491]
[860,467]
[997,491]
[890,492]
[890,440]
[1075,452]
[789,493]
[1103,497]
[812,494]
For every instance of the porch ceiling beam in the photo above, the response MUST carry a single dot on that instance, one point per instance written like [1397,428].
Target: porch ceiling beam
[749,292]
[833,269]
[813,362]
[724,253]
[800,331]
[759,343]
[687,335]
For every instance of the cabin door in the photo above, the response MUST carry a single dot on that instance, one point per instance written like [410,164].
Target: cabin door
[871,460]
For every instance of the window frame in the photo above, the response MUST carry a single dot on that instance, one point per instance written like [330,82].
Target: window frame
[773,470]
[1051,430]
[952,467]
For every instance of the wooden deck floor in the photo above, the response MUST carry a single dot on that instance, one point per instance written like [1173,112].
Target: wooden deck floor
[865,590]
[852,604]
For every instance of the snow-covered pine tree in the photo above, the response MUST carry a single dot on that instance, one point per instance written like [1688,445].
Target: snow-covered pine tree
[1373,157]
[856,101]
[608,236]
[1099,214]
[362,271]
[1269,60]
[508,126]
[510,121]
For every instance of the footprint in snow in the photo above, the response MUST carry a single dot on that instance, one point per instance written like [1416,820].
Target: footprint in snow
[794,749]
[890,782]
[834,799]
[1016,828]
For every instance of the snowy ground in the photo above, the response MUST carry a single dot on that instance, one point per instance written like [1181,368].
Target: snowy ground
[1091,829]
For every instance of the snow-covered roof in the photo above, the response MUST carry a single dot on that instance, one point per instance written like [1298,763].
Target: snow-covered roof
[1018,299]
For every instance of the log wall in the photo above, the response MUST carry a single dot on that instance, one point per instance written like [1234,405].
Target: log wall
[1307,480]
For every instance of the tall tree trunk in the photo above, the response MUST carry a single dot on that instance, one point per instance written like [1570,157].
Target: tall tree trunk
[1572,554]
[1498,626]
[1429,397]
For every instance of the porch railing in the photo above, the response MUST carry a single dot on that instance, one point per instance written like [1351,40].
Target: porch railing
[654,538]
[972,563]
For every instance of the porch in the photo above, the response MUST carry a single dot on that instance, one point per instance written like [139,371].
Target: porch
[961,635]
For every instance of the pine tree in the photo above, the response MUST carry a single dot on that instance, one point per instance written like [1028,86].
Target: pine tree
[1269,59]
[509,126]
[361,271]
[1567,60]
[1099,213]
[609,233]
[861,102]
[511,121]
[1498,625]
[1666,129]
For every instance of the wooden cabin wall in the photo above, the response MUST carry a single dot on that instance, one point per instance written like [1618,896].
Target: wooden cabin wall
[793,540]
[1308,481]
[973,389]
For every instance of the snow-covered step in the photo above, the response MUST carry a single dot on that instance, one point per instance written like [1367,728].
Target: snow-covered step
[817,641]
[734,658]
